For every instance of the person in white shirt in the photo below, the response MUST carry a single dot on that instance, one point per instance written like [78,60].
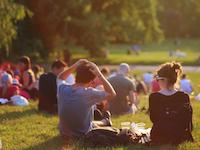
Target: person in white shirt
[70,79]
[185,85]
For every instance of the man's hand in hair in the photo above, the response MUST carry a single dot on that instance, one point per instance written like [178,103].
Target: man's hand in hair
[107,86]
[81,62]
[63,75]
[95,69]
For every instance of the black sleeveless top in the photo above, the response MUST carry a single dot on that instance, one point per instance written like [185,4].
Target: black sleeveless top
[171,117]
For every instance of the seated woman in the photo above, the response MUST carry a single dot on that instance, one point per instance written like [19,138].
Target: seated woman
[7,89]
[27,75]
[170,110]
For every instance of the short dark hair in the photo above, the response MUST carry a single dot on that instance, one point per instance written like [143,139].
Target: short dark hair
[183,76]
[26,61]
[105,70]
[84,74]
[58,64]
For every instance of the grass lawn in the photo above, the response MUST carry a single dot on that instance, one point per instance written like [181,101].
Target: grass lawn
[152,53]
[24,128]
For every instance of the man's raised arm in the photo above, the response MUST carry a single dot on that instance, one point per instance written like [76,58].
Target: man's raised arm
[63,75]
[107,86]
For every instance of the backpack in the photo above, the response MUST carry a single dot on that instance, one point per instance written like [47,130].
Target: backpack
[109,136]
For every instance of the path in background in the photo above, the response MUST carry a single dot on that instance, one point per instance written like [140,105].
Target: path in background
[153,68]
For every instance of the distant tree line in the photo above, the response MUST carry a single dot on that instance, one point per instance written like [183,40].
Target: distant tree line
[42,27]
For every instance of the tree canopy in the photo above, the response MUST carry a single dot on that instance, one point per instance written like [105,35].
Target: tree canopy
[94,23]
[10,14]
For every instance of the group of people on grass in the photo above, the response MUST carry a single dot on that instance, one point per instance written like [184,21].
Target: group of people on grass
[19,79]
[87,103]
[85,96]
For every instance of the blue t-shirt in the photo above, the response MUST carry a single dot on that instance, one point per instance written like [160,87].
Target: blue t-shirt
[75,109]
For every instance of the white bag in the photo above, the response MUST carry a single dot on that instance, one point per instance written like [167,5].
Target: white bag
[3,101]
[19,100]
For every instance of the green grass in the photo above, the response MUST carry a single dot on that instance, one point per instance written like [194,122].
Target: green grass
[25,128]
[152,53]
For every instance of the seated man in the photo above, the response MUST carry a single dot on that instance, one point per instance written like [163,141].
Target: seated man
[48,88]
[125,100]
[75,102]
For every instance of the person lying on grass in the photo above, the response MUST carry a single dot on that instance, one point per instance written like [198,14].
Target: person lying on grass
[75,102]
[170,110]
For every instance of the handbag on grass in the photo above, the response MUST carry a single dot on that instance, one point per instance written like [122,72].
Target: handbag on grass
[19,100]
[109,136]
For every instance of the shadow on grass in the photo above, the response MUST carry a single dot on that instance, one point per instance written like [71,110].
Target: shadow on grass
[81,145]
[54,143]
[17,114]
[7,116]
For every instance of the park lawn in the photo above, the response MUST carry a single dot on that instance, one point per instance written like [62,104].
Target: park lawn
[151,54]
[25,128]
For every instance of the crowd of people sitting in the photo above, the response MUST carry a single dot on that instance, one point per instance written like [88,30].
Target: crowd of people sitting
[84,96]
[20,79]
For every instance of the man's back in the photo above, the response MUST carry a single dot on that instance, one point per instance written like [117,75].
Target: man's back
[47,93]
[75,109]
[122,86]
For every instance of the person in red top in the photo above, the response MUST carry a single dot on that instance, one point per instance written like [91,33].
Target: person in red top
[7,89]
[155,87]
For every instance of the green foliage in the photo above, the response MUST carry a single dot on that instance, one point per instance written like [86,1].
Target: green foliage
[179,18]
[10,14]
[94,23]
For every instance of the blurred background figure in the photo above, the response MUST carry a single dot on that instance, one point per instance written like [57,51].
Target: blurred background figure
[155,85]
[113,72]
[136,49]
[125,100]
[27,76]
[185,84]
[7,89]
[37,73]
[106,72]
[140,86]
[148,78]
